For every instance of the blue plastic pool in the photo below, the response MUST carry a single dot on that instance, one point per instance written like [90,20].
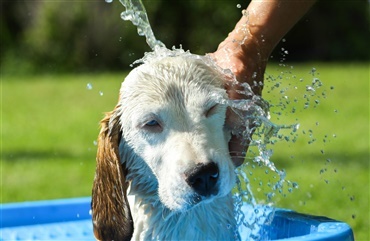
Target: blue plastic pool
[70,219]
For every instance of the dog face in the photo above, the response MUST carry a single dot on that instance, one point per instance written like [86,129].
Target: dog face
[173,121]
[168,138]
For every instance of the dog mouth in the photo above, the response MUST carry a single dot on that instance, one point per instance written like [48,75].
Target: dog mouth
[196,199]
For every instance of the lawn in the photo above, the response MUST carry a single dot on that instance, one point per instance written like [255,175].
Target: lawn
[49,125]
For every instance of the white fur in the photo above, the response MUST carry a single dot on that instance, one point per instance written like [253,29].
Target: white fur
[177,92]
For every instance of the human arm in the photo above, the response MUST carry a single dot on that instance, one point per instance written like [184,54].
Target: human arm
[247,49]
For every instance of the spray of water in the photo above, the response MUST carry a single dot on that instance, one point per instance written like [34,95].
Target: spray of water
[136,13]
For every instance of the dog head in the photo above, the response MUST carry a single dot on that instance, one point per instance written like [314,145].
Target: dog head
[167,138]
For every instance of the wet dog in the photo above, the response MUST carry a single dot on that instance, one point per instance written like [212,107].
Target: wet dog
[163,166]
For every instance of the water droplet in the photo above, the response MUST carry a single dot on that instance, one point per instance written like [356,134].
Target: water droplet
[101,93]
[254,76]
[316,82]
[89,86]
[238,5]
[127,15]
[309,88]
[108,1]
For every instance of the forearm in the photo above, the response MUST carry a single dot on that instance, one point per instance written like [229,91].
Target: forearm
[267,21]
[247,48]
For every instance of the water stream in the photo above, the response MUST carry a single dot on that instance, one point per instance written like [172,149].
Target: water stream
[254,112]
[136,13]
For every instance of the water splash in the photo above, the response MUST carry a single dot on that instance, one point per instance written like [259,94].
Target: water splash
[136,13]
[161,52]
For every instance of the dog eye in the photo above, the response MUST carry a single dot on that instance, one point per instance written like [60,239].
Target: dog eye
[152,123]
[211,111]
[153,126]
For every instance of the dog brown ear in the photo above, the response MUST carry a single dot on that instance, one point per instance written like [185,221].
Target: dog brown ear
[110,209]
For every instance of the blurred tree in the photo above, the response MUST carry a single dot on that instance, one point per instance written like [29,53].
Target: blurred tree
[332,32]
[67,36]
[78,36]
[90,36]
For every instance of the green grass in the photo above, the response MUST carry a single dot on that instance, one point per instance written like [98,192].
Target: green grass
[49,124]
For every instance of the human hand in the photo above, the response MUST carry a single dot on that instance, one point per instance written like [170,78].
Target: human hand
[244,59]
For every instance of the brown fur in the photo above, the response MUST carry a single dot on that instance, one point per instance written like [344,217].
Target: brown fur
[109,201]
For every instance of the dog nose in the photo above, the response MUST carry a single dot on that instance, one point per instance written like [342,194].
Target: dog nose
[203,178]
